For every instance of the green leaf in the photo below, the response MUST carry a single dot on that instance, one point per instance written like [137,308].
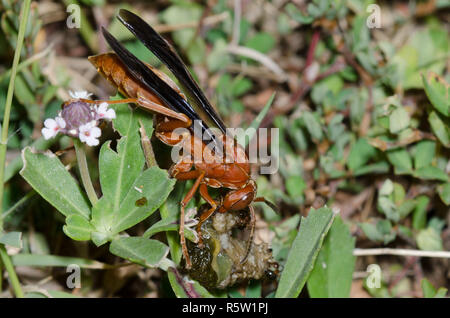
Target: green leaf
[78,228]
[380,232]
[39,260]
[297,15]
[360,154]
[437,91]
[13,239]
[295,185]
[102,221]
[431,173]
[262,42]
[154,185]
[140,250]
[444,192]
[47,175]
[258,119]
[253,290]
[144,196]
[182,286]
[424,153]
[333,270]
[388,207]
[398,120]
[429,239]
[387,188]
[312,125]
[169,224]
[378,167]
[440,129]
[406,207]
[329,87]
[196,51]
[183,13]
[119,170]
[171,210]
[303,253]
[427,288]
[16,164]
[401,161]
[240,86]
[219,57]
[430,292]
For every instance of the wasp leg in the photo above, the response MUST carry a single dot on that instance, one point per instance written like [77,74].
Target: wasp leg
[165,130]
[205,195]
[179,169]
[110,102]
[252,233]
[194,174]
[147,104]
[170,125]
[160,109]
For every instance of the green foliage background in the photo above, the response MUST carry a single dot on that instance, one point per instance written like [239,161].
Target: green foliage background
[364,129]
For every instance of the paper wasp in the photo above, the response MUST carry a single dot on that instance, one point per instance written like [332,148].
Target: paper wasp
[152,90]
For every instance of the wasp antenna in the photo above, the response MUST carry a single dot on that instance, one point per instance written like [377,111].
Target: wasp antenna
[270,204]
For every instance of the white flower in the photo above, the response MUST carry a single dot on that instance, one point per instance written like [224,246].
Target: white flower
[52,127]
[104,113]
[89,133]
[79,94]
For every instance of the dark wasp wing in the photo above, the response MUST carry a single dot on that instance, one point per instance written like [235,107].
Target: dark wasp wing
[164,51]
[157,86]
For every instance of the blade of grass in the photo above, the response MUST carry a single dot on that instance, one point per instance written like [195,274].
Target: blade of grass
[16,205]
[14,280]
[9,96]
[37,260]
[4,140]
[257,121]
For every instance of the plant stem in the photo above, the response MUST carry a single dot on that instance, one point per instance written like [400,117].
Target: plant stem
[14,280]
[147,147]
[9,96]
[84,172]
[400,252]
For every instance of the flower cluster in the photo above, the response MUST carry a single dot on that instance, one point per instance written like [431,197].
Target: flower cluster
[79,118]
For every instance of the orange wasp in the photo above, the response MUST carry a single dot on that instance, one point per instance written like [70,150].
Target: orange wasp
[152,90]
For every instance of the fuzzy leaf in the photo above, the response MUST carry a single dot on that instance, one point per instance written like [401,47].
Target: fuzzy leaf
[332,273]
[140,250]
[47,175]
[303,253]
[13,239]
[438,92]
